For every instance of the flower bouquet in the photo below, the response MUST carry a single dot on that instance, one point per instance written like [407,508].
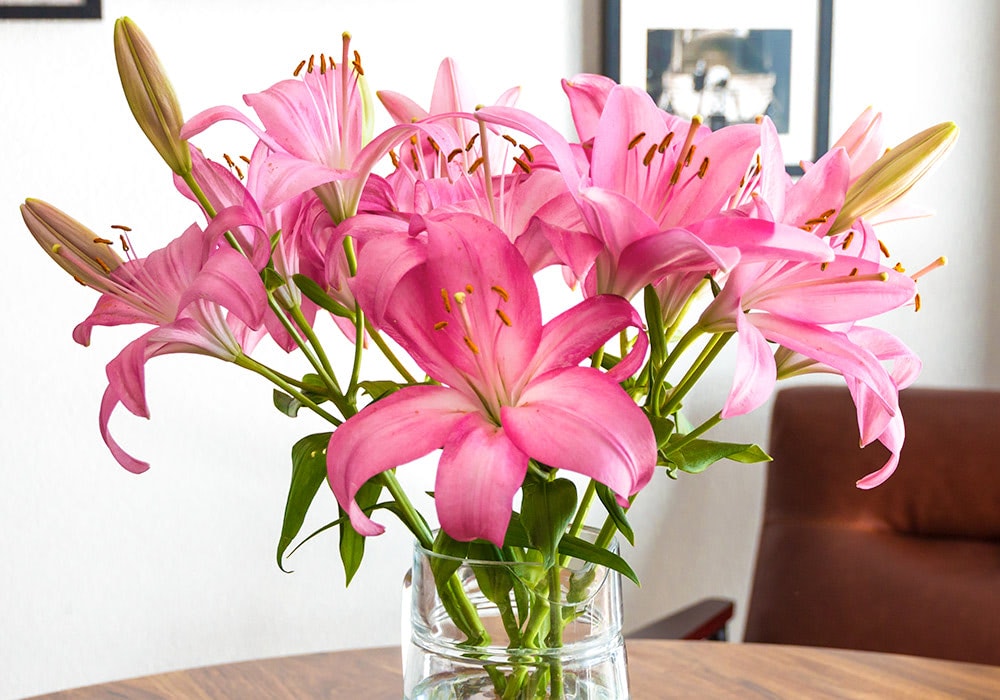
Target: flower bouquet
[423,243]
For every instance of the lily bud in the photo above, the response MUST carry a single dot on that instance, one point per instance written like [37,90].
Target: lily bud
[894,174]
[75,248]
[150,95]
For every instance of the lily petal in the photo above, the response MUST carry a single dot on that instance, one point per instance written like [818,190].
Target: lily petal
[755,373]
[390,432]
[478,475]
[581,420]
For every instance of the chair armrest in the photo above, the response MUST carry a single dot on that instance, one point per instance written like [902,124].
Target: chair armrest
[705,619]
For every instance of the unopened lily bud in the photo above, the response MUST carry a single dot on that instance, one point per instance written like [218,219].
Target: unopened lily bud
[892,175]
[150,96]
[78,250]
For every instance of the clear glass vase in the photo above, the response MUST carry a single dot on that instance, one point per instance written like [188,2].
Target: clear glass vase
[511,630]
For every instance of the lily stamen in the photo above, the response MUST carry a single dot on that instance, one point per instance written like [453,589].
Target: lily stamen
[940,262]
[298,68]
[686,148]
[635,140]
[648,158]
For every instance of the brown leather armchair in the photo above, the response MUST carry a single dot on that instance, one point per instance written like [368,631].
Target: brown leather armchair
[912,566]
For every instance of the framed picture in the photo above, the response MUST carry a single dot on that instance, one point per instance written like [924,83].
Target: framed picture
[50,9]
[730,62]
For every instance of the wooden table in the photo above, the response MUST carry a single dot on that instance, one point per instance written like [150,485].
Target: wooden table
[657,669]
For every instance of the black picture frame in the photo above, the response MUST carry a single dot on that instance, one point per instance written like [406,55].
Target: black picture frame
[611,66]
[85,9]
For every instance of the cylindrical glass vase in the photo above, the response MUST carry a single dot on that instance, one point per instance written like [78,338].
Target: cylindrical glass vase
[483,629]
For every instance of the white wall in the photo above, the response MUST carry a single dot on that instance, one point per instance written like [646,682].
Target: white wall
[108,575]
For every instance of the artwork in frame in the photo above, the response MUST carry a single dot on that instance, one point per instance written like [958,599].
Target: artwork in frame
[50,9]
[730,62]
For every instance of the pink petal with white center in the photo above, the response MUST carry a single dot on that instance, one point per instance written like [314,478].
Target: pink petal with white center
[729,152]
[401,108]
[108,403]
[892,438]
[677,250]
[587,95]
[819,191]
[284,176]
[616,160]
[395,430]
[382,263]
[229,280]
[755,373]
[757,239]
[906,365]
[201,121]
[832,349]
[847,290]
[468,254]
[479,473]
[581,420]
[110,311]
[578,332]
[564,157]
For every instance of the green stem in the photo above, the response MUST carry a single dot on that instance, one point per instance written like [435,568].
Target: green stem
[359,344]
[693,435]
[555,636]
[581,511]
[336,395]
[310,335]
[656,384]
[263,370]
[412,518]
[695,372]
[388,353]
[199,194]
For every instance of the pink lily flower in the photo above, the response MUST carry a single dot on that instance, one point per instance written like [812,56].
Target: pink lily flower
[651,206]
[182,290]
[461,301]
[316,134]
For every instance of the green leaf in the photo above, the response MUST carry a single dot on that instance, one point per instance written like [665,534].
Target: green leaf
[352,545]
[495,582]
[452,551]
[698,455]
[308,473]
[319,297]
[572,546]
[654,322]
[289,405]
[379,389]
[615,512]
[272,280]
[547,507]
[663,428]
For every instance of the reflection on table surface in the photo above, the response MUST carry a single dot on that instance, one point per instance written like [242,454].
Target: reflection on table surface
[657,669]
